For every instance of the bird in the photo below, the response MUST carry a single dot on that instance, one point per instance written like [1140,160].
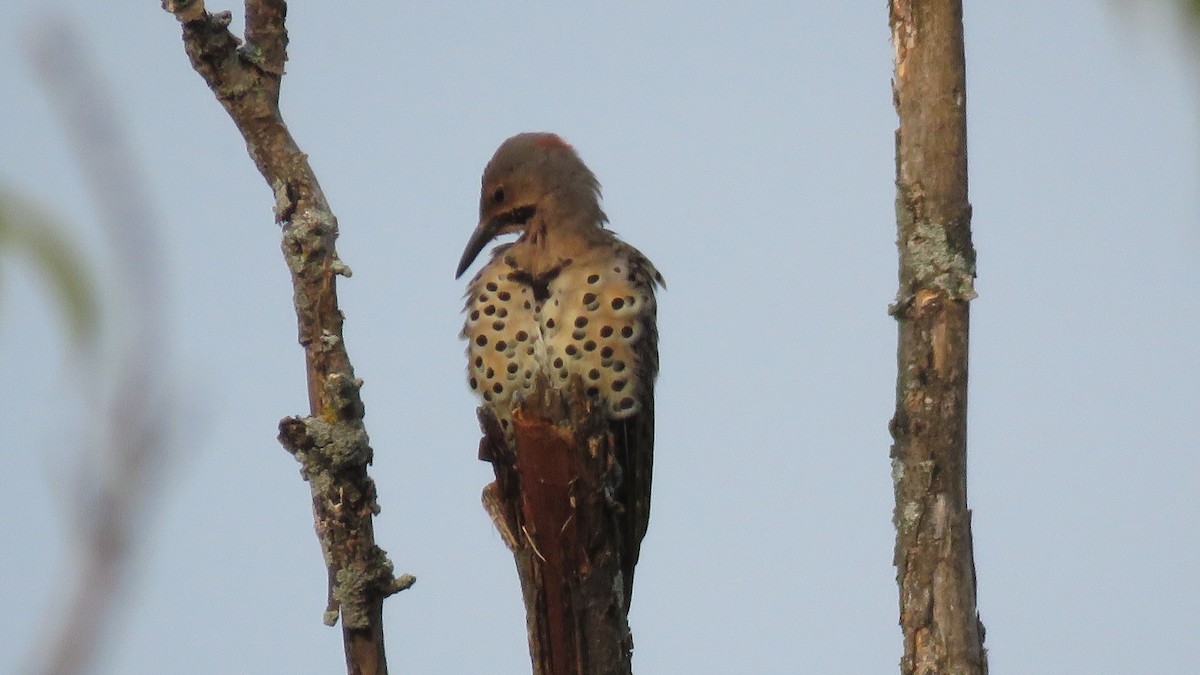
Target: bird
[566,300]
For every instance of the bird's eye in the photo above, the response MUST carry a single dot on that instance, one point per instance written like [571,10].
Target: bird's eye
[498,195]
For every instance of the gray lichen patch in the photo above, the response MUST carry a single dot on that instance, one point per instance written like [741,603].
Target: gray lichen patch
[936,261]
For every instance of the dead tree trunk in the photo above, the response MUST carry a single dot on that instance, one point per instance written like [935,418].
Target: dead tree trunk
[935,566]
[552,502]
[331,443]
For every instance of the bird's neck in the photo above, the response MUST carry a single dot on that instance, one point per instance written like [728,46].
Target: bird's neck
[550,242]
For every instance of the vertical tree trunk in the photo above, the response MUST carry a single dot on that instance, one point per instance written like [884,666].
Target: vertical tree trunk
[935,567]
[552,502]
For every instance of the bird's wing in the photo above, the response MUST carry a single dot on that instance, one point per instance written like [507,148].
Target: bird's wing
[634,436]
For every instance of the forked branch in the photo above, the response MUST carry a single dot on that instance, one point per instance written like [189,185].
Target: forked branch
[331,443]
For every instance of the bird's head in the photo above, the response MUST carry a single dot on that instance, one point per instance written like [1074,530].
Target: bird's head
[533,178]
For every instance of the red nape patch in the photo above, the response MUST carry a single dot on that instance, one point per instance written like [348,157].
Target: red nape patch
[553,141]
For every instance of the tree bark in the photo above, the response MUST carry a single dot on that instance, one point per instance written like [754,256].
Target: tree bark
[934,561]
[331,443]
[552,502]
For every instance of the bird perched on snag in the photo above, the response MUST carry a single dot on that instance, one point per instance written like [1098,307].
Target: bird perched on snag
[566,302]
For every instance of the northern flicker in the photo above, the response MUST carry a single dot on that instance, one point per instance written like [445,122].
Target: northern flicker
[566,300]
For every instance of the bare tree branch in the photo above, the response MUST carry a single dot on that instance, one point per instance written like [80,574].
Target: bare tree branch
[331,443]
[934,561]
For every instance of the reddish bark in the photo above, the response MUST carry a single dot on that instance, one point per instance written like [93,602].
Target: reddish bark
[552,504]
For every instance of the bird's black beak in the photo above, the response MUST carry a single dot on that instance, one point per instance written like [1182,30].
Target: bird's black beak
[509,221]
[484,232]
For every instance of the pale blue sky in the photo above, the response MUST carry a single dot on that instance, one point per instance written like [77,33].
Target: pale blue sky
[748,153]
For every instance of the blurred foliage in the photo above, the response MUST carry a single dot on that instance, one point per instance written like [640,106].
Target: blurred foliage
[28,231]
[1191,10]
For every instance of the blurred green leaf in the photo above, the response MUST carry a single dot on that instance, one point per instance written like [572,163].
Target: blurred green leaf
[28,231]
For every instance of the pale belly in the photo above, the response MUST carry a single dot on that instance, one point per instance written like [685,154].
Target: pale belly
[590,325]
